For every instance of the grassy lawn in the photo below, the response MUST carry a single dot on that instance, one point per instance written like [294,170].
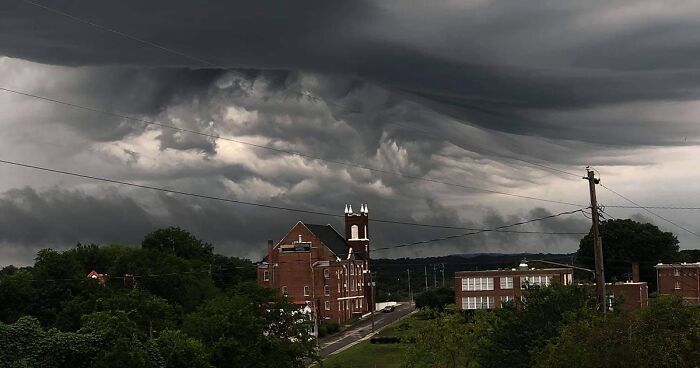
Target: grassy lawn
[367,355]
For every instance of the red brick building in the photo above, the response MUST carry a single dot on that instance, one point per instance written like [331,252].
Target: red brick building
[679,278]
[489,289]
[314,265]
[634,294]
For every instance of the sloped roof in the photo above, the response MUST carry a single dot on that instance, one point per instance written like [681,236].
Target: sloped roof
[334,241]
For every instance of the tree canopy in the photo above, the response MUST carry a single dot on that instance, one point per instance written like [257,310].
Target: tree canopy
[171,303]
[625,241]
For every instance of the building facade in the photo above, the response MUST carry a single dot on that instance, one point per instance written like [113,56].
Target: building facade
[315,266]
[490,289]
[633,295]
[680,279]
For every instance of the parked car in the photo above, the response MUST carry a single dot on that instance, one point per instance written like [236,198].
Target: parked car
[388,309]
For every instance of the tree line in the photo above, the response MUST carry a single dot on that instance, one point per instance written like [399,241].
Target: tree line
[170,302]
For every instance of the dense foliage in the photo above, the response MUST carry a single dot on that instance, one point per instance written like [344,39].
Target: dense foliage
[435,299]
[558,326]
[171,302]
[625,241]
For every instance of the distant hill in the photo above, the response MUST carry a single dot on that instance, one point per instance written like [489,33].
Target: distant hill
[391,275]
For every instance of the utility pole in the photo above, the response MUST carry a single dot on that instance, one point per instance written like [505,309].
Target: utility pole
[410,296]
[374,301]
[425,268]
[597,243]
[434,277]
[443,275]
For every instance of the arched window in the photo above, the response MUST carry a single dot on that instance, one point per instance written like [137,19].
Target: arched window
[354,232]
[366,236]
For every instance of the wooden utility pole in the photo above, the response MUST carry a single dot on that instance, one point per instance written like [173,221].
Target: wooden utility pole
[425,269]
[443,275]
[374,301]
[597,243]
[410,296]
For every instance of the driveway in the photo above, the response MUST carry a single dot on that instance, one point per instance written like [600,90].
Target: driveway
[362,329]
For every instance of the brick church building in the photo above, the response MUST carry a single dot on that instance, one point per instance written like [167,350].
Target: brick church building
[318,268]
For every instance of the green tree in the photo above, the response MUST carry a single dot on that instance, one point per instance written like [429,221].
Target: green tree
[178,280]
[249,327]
[666,334]
[227,272]
[181,351]
[625,241]
[25,344]
[16,291]
[124,346]
[508,336]
[444,343]
[435,299]
[178,242]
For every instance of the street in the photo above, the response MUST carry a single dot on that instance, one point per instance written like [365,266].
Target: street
[362,329]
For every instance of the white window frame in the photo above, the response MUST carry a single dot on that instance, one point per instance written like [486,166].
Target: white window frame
[678,285]
[478,302]
[266,275]
[327,305]
[285,291]
[506,282]
[676,272]
[326,273]
[354,232]
[307,290]
[477,283]
[327,290]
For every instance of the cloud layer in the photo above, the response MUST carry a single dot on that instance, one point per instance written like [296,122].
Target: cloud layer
[454,91]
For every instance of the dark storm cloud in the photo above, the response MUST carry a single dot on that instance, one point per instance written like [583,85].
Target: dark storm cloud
[498,65]
[57,217]
[61,218]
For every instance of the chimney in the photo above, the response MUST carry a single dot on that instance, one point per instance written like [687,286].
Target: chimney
[635,271]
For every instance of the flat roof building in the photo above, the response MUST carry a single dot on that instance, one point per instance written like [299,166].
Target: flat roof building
[679,279]
[489,289]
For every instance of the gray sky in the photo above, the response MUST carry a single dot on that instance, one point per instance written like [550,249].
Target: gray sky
[452,90]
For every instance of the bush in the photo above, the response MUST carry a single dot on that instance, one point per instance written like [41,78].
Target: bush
[385,340]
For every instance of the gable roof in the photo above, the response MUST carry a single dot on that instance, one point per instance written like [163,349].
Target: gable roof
[334,241]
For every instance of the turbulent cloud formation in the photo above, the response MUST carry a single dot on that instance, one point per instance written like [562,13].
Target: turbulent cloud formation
[460,92]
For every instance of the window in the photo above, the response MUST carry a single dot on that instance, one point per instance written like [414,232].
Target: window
[477,302]
[327,290]
[266,275]
[327,305]
[360,303]
[366,236]
[506,282]
[326,273]
[506,299]
[678,284]
[285,292]
[306,291]
[338,286]
[537,280]
[352,269]
[477,283]
[354,232]
[676,272]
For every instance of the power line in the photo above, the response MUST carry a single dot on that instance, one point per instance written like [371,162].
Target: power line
[301,93]
[275,207]
[478,232]
[279,150]
[492,153]
[649,211]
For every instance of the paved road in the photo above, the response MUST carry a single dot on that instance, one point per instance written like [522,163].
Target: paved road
[362,329]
